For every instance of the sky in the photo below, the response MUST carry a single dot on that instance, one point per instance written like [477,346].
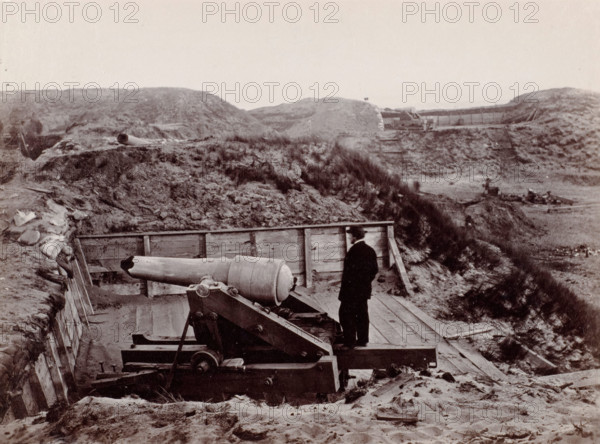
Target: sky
[393,53]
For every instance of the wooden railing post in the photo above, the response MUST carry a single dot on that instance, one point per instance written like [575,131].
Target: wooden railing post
[307,258]
[147,252]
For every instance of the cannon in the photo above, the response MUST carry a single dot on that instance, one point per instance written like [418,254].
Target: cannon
[266,280]
[254,333]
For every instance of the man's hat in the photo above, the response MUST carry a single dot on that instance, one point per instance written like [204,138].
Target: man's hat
[357,231]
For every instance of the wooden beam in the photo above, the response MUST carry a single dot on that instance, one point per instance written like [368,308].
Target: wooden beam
[581,379]
[37,390]
[288,378]
[164,353]
[384,355]
[83,285]
[396,382]
[481,363]
[233,230]
[114,381]
[300,301]
[148,252]
[400,265]
[84,264]
[347,243]
[307,258]
[253,250]
[142,339]
[390,235]
[259,321]
[468,333]
[77,297]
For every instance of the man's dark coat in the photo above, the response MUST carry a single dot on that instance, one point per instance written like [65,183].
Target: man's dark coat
[360,268]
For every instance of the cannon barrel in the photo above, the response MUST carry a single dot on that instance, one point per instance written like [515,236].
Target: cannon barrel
[264,280]
[127,139]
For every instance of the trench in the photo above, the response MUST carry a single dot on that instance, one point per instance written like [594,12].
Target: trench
[104,307]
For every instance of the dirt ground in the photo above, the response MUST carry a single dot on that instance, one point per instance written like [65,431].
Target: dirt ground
[464,411]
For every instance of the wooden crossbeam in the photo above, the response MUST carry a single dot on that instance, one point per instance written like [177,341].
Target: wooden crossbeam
[384,355]
[289,378]
[164,353]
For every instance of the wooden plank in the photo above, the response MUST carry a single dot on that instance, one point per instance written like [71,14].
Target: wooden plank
[56,379]
[534,358]
[327,248]
[396,382]
[328,267]
[283,244]
[300,378]
[393,248]
[307,258]
[86,272]
[384,355]
[41,384]
[429,321]
[390,235]
[301,297]
[229,245]
[81,282]
[77,296]
[112,250]
[28,396]
[98,269]
[347,241]
[481,363]
[125,289]
[327,231]
[581,379]
[163,353]
[162,289]
[185,245]
[404,417]
[64,343]
[61,360]
[236,230]
[466,334]
[387,323]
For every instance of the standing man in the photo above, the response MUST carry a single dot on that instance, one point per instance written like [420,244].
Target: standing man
[360,268]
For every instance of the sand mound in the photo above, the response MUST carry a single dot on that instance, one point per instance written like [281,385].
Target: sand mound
[154,113]
[326,118]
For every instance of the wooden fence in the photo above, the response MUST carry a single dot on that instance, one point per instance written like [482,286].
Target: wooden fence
[311,251]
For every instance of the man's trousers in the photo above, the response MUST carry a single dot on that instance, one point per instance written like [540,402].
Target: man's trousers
[354,319]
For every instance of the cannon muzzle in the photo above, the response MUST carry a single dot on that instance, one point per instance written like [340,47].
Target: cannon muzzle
[265,280]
